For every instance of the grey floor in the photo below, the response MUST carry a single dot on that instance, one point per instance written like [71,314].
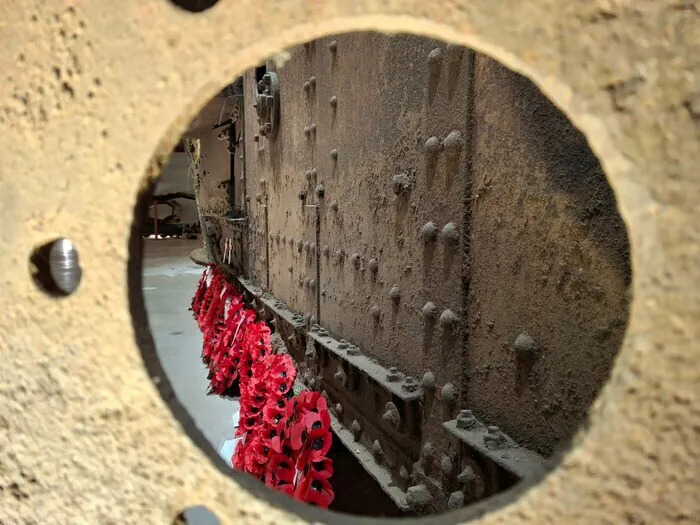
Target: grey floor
[169,281]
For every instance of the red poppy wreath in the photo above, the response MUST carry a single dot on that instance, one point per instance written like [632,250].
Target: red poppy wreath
[284,439]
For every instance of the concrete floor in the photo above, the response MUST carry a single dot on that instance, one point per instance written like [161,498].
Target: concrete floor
[169,282]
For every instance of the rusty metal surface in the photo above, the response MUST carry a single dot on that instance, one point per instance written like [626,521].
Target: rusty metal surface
[88,103]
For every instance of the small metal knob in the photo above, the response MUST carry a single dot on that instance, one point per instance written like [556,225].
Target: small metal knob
[64,266]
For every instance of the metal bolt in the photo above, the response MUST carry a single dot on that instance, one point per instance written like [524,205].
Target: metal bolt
[393,375]
[410,384]
[333,46]
[375,312]
[313,128]
[307,86]
[334,206]
[465,419]
[290,268]
[334,102]
[312,81]
[334,154]
[353,350]
[307,131]
[320,191]
[65,272]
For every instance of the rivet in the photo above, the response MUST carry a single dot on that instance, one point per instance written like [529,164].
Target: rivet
[277,238]
[272,237]
[306,282]
[339,256]
[377,451]
[307,86]
[306,246]
[393,375]
[456,500]
[312,248]
[314,172]
[401,184]
[247,198]
[409,384]
[430,311]
[450,235]
[373,265]
[448,319]
[343,344]
[524,345]
[290,268]
[391,415]
[313,128]
[320,191]
[429,232]
[446,465]
[312,284]
[453,143]
[356,429]
[432,148]
[64,273]
[300,246]
[465,419]
[448,394]
[334,101]
[334,154]
[435,60]
[395,294]
[307,174]
[466,476]
[291,241]
[418,497]
[340,376]
[334,206]
[355,260]
[375,312]
[301,195]
[333,46]
[313,319]
[428,380]
[306,319]
[312,81]
[307,131]
[323,332]
[325,251]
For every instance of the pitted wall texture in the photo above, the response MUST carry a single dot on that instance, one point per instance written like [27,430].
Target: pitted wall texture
[87,436]
[449,183]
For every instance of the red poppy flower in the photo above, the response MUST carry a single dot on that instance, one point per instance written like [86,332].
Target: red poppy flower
[316,446]
[280,470]
[315,490]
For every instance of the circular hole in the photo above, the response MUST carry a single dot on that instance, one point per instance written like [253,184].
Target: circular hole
[198,515]
[195,6]
[531,258]
[55,267]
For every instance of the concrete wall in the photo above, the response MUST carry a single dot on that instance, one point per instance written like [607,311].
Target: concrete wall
[528,238]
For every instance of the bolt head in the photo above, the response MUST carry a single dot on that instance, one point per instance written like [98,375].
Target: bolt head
[333,46]
[334,101]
